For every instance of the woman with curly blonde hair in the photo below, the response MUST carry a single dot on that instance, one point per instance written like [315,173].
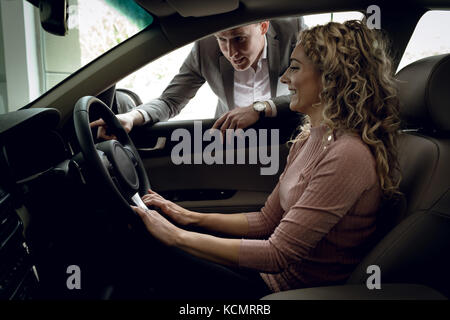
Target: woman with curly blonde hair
[315,226]
[358,91]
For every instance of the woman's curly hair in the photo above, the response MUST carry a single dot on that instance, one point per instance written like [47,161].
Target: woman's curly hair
[359,92]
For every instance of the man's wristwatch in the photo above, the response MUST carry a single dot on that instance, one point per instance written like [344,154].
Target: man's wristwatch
[260,107]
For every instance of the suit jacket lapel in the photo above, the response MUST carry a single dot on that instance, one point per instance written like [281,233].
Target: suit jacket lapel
[273,54]
[227,72]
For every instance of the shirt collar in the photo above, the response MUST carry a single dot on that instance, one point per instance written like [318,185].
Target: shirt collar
[263,54]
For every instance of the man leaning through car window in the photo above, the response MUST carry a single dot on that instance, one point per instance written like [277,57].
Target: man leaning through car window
[241,65]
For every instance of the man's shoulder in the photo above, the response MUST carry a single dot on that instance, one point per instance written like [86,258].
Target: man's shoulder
[208,45]
[286,30]
[293,24]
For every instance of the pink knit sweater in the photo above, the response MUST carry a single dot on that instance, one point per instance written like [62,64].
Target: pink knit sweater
[314,226]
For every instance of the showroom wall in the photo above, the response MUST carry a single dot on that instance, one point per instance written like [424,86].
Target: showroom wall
[20,49]
[31,60]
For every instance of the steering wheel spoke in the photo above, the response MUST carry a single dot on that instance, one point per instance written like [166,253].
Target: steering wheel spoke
[132,156]
[104,159]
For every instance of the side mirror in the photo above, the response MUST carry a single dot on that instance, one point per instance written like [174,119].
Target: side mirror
[54,15]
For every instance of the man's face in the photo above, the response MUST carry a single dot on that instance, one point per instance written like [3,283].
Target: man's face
[243,46]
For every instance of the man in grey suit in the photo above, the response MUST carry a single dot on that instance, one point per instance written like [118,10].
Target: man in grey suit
[242,66]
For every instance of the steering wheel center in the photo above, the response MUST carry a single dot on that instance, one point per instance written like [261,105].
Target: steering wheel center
[122,166]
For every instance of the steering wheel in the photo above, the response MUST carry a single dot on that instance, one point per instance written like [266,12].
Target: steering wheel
[115,164]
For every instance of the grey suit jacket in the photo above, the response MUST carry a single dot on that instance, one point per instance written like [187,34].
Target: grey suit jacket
[206,62]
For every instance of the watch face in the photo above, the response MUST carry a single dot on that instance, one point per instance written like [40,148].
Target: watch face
[259,106]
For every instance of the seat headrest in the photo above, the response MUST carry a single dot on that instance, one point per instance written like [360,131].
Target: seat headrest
[424,93]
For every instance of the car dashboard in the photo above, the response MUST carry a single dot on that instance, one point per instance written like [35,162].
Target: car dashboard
[31,150]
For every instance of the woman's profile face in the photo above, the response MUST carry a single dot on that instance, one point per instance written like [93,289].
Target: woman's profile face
[304,82]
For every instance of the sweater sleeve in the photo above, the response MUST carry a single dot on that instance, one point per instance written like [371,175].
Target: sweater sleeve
[336,184]
[262,223]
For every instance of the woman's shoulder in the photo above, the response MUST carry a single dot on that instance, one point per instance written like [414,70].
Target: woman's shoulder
[343,145]
[351,141]
[294,149]
[350,148]
[297,143]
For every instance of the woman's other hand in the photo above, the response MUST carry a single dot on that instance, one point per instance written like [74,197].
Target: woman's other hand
[178,214]
[158,226]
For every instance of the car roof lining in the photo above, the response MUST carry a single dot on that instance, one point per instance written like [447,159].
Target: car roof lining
[191,8]
[399,27]
[200,8]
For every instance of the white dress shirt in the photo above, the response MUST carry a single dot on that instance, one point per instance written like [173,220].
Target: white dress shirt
[253,85]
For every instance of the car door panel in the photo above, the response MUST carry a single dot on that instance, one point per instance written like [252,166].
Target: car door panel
[215,187]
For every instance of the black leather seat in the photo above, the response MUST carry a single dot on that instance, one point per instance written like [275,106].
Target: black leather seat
[414,252]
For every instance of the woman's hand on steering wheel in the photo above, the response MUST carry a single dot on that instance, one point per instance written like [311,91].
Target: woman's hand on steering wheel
[158,226]
[178,214]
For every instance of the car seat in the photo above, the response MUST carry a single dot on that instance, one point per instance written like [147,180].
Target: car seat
[413,254]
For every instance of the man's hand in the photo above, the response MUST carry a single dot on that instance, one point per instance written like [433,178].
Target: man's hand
[127,120]
[239,118]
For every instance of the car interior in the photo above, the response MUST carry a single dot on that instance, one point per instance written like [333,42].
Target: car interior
[65,195]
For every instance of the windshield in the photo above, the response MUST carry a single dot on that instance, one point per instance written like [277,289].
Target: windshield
[39,60]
